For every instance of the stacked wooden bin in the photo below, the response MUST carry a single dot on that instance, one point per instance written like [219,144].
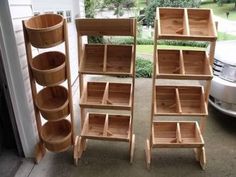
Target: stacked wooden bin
[106,60]
[48,72]
[181,100]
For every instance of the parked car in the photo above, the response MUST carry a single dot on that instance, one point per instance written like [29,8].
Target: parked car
[223,88]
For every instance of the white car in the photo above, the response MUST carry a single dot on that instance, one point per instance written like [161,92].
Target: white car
[223,88]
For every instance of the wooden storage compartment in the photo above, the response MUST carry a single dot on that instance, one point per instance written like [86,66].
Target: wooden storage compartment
[57,135]
[168,62]
[190,133]
[45,30]
[201,22]
[192,100]
[49,68]
[171,21]
[94,125]
[164,132]
[94,93]
[177,135]
[196,63]
[119,94]
[93,58]
[53,102]
[119,58]
[166,100]
[118,126]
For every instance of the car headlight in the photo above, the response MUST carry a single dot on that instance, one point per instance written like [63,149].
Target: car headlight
[228,73]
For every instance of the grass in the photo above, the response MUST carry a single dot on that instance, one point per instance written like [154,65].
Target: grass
[141,3]
[221,10]
[224,36]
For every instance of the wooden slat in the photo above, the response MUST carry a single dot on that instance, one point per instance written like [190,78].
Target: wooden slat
[100,27]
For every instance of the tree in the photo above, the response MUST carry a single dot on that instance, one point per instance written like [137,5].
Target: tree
[119,5]
[153,4]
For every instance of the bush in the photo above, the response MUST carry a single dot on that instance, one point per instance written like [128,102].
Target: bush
[95,39]
[143,68]
[153,4]
[183,43]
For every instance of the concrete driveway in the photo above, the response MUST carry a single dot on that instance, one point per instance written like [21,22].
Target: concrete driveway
[103,159]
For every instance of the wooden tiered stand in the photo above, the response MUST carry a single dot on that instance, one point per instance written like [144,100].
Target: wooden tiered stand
[49,70]
[181,24]
[112,60]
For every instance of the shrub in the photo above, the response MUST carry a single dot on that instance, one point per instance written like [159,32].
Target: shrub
[143,68]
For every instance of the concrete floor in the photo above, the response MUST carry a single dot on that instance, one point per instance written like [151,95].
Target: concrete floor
[111,159]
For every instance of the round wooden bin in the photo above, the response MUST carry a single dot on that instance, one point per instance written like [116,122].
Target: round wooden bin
[57,135]
[49,68]
[53,103]
[45,30]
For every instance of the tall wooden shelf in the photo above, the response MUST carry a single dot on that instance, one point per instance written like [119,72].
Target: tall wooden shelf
[53,102]
[179,100]
[111,60]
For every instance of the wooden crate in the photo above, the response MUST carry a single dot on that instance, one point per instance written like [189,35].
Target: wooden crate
[192,100]
[119,94]
[171,21]
[119,126]
[107,95]
[53,102]
[182,64]
[93,94]
[45,30]
[179,100]
[106,127]
[201,22]
[49,68]
[93,58]
[166,100]
[57,135]
[196,64]
[176,135]
[119,59]
[94,125]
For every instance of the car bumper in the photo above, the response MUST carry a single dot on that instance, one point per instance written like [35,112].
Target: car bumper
[223,96]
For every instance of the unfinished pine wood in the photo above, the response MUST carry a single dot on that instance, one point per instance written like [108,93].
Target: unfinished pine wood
[182,64]
[106,127]
[101,27]
[45,30]
[49,68]
[176,135]
[92,61]
[53,103]
[57,135]
[106,95]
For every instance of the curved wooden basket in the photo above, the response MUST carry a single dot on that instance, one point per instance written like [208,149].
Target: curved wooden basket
[57,135]
[53,103]
[49,68]
[45,30]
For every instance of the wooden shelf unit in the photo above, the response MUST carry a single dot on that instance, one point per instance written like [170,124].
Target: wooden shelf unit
[178,100]
[111,60]
[49,69]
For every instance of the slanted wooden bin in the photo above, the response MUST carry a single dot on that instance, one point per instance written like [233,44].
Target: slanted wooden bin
[49,69]
[111,60]
[181,100]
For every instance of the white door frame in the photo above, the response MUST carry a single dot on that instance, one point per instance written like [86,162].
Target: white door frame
[25,122]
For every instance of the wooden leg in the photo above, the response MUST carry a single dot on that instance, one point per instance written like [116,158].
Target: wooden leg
[76,153]
[203,158]
[85,145]
[132,149]
[40,151]
[197,153]
[81,143]
[148,154]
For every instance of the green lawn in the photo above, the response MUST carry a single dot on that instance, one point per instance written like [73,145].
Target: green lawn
[224,36]
[141,3]
[221,10]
